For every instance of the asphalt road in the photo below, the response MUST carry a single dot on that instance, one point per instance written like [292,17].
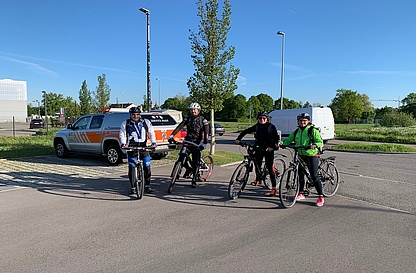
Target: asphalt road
[75,215]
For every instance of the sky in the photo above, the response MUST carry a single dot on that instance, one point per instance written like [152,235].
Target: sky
[368,46]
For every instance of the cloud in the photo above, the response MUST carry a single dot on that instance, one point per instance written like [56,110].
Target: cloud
[241,80]
[32,66]
[378,72]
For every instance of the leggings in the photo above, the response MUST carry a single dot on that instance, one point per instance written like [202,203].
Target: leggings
[312,162]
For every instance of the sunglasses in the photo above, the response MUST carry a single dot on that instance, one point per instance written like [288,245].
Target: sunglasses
[135,114]
[263,118]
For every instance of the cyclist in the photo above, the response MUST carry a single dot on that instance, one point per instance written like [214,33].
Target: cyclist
[197,131]
[133,133]
[310,156]
[267,139]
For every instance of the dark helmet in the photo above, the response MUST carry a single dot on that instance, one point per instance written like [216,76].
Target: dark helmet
[135,110]
[304,115]
[262,114]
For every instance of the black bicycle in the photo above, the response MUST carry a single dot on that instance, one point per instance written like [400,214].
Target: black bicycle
[241,174]
[289,183]
[138,173]
[203,169]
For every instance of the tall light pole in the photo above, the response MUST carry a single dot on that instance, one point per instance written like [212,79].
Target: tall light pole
[283,63]
[38,106]
[159,90]
[147,12]
[46,113]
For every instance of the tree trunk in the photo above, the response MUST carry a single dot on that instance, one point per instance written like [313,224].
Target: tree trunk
[212,147]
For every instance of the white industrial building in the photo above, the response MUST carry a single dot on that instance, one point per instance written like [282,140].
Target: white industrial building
[13,101]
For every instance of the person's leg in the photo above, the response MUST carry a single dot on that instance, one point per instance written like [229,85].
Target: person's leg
[269,158]
[259,160]
[196,156]
[145,157]
[313,163]
[131,162]
[301,194]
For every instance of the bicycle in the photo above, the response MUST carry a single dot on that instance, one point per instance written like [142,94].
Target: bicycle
[289,184]
[138,173]
[203,170]
[241,174]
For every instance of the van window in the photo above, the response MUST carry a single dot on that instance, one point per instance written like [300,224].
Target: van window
[160,120]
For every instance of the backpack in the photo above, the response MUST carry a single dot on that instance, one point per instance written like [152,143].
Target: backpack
[310,135]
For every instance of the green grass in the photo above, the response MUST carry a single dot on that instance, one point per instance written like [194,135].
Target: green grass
[394,148]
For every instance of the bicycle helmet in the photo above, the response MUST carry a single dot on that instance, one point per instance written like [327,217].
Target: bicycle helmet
[194,105]
[304,115]
[262,114]
[135,110]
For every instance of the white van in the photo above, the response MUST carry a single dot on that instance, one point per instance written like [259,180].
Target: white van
[321,117]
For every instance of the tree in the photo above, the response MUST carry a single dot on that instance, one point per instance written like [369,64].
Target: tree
[287,104]
[380,112]
[409,104]
[85,99]
[214,79]
[347,105]
[234,108]
[266,102]
[102,93]
[254,104]
[179,102]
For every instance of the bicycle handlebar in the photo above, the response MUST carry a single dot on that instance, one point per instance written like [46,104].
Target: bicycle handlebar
[185,142]
[130,149]
[256,147]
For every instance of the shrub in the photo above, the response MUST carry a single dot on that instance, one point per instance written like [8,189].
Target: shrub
[399,119]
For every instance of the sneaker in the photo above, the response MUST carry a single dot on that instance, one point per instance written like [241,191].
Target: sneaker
[320,202]
[148,190]
[132,191]
[256,183]
[300,196]
[271,193]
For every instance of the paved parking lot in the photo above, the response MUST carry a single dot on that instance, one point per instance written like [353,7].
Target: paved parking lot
[50,169]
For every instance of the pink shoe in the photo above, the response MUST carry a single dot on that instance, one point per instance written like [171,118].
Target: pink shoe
[300,196]
[320,201]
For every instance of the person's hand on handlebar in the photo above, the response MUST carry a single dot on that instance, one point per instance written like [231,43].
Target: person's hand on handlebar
[312,146]
[123,146]
[237,141]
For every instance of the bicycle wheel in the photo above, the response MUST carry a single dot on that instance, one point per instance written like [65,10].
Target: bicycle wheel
[139,181]
[206,166]
[238,180]
[279,166]
[289,187]
[328,173]
[176,171]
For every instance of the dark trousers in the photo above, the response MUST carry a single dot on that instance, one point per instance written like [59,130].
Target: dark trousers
[312,162]
[268,160]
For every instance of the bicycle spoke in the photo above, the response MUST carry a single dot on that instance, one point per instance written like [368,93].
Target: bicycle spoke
[238,181]
[289,187]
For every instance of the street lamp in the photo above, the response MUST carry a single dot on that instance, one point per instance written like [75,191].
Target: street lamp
[283,63]
[147,12]
[46,113]
[38,106]
[159,90]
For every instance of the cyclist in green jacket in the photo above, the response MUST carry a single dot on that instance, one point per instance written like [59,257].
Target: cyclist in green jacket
[303,136]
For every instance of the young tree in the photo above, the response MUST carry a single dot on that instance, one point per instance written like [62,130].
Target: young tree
[347,104]
[102,93]
[214,78]
[287,104]
[85,99]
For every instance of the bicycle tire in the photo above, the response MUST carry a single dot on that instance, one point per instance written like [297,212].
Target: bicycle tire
[329,175]
[175,175]
[206,166]
[289,187]
[279,166]
[139,181]
[238,180]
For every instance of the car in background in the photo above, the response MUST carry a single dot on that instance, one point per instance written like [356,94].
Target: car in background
[36,123]
[219,129]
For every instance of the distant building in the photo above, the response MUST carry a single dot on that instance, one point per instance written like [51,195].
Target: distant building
[13,100]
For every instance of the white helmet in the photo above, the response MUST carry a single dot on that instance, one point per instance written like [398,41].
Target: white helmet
[194,105]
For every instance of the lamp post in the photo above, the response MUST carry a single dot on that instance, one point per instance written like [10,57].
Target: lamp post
[283,63]
[38,106]
[158,79]
[147,12]
[46,113]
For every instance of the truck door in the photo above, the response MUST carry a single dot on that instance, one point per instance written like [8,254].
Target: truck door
[77,137]
[94,134]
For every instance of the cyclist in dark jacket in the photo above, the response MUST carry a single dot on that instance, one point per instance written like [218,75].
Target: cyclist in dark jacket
[197,128]
[267,138]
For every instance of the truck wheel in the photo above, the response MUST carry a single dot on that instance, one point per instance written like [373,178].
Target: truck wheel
[60,149]
[114,155]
